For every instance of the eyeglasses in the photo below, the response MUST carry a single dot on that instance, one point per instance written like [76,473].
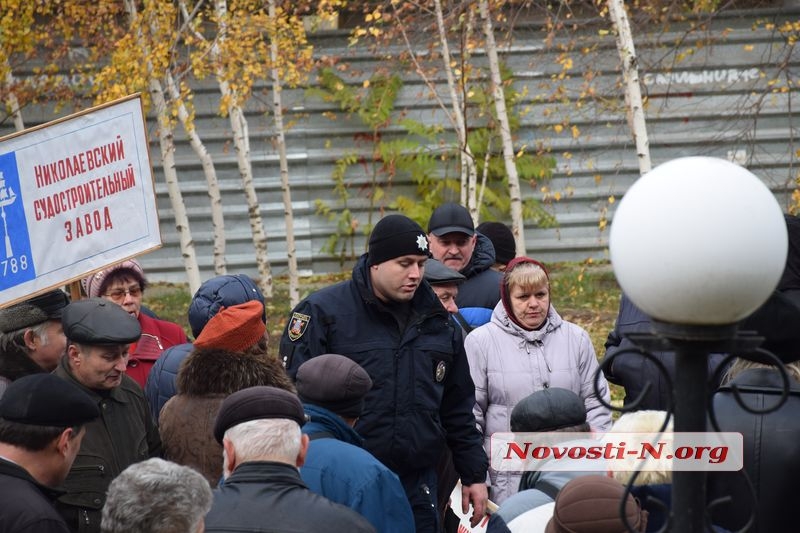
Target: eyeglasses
[119,294]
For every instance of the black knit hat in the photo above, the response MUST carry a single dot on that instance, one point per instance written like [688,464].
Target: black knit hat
[47,400]
[505,248]
[333,382]
[396,236]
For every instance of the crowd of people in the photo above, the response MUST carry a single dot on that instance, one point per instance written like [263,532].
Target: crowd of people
[382,401]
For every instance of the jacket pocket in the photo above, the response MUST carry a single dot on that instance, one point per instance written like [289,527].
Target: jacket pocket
[86,486]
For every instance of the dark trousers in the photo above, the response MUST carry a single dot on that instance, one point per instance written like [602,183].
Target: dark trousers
[447,478]
[420,487]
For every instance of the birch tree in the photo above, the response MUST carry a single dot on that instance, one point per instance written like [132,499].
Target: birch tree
[280,141]
[139,59]
[630,76]
[514,191]
[224,52]
[17,38]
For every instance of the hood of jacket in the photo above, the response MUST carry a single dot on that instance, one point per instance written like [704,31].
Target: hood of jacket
[322,420]
[223,372]
[219,292]
[482,257]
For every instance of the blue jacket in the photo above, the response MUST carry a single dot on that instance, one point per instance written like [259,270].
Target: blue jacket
[214,294]
[160,385]
[478,295]
[338,468]
[422,392]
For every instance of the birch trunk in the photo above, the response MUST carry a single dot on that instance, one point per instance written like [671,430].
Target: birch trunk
[241,142]
[630,76]
[469,174]
[210,172]
[280,139]
[11,99]
[166,142]
[514,190]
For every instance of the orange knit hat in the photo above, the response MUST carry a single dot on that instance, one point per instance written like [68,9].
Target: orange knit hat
[233,328]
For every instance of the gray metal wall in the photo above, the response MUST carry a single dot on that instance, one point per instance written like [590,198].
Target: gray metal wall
[714,102]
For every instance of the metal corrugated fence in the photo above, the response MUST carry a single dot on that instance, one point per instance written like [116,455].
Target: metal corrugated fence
[716,101]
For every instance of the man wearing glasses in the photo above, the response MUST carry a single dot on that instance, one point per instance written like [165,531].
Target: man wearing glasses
[124,284]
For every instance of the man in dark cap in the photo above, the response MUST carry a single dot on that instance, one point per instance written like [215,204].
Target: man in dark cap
[99,333]
[392,324]
[332,389]
[42,422]
[259,429]
[455,243]
[444,281]
[31,337]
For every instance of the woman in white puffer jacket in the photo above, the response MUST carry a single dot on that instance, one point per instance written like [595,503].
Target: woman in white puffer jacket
[525,347]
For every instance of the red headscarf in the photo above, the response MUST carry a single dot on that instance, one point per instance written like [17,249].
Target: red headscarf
[505,297]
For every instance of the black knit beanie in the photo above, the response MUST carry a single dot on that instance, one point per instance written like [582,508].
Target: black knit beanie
[505,248]
[396,236]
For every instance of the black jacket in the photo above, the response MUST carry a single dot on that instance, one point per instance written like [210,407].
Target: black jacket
[27,506]
[270,496]
[771,453]
[480,292]
[633,371]
[422,394]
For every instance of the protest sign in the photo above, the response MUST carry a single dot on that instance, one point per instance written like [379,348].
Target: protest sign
[76,194]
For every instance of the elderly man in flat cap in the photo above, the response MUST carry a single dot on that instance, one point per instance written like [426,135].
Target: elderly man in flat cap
[31,337]
[332,389]
[259,429]
[42,422]
[99,333]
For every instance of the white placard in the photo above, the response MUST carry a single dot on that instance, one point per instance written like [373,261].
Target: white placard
[463,525]
[76,195]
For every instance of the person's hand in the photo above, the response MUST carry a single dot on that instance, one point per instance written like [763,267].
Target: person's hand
[477,495]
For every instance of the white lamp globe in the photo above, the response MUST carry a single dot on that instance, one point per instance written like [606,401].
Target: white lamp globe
[698,241]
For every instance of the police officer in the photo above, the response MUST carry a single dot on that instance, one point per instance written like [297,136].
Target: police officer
[389,322]
[99,333]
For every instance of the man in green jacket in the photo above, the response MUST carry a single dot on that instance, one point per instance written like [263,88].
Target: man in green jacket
[98,334]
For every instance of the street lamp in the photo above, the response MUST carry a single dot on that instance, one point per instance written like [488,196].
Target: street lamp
[698,244]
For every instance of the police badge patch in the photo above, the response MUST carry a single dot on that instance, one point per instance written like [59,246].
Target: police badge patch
[441,368]
[298,325]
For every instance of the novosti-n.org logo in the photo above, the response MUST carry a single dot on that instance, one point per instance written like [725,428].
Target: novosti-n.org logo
[521,452]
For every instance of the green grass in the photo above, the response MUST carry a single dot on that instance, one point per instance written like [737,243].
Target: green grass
[584,293]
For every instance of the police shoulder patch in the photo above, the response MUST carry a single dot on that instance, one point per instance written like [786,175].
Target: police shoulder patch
[297,325]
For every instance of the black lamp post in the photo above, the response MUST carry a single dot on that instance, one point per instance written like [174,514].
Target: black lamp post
[697,244]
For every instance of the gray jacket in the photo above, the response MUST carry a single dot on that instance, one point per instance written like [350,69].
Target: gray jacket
[508,363]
